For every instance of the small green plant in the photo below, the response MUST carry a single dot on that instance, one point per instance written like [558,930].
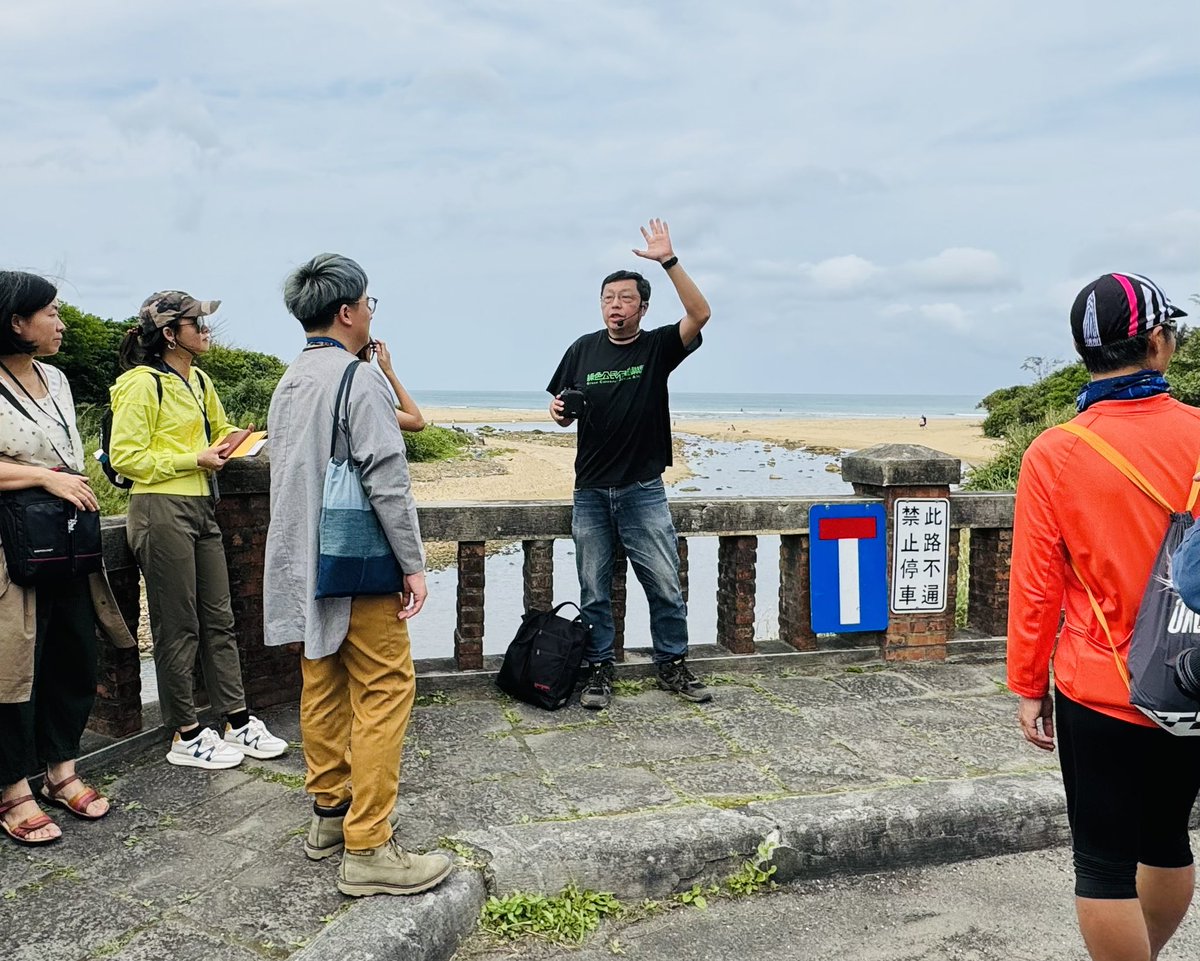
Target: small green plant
[722,680]
[755,875]
[434,697]
[696,896]
[511,715]
[132,806]
[566,918]
[294,781]
[464,852]
[631,686]
[132,841]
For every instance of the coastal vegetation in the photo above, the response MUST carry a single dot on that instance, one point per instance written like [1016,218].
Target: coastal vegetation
[244,379]
[1019,413]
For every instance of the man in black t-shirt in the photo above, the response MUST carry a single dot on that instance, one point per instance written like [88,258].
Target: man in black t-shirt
[624,446]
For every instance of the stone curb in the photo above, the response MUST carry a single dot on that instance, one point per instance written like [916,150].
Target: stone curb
[427,927]
[657,854]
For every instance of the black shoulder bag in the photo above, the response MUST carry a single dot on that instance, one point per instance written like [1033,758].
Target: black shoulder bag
[46,539]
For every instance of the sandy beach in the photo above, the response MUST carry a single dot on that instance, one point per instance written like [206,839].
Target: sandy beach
[541,467]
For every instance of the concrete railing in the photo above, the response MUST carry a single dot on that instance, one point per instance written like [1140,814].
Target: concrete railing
[880,474]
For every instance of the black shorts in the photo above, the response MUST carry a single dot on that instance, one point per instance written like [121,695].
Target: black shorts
[1130,791]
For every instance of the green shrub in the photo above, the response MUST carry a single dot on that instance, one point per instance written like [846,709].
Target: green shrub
[1000,473]
[435,443]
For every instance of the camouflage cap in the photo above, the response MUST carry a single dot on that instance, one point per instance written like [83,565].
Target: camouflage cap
[166,306]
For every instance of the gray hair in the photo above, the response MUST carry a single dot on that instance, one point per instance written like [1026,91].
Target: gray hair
[316,290]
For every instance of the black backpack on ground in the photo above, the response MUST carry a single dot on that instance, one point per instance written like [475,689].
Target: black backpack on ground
[541,665]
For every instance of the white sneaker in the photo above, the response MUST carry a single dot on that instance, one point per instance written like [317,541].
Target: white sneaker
[205,750]
[254,739]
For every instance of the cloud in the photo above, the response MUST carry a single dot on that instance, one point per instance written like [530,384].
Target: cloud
[961,269]
[841,276]
[948,315]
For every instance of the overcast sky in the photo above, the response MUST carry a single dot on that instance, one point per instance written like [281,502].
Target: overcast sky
[875,197]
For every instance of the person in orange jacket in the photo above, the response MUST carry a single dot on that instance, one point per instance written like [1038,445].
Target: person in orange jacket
[1130,785]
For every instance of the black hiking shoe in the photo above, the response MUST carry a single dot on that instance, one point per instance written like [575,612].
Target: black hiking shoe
[677,677]
[597,690]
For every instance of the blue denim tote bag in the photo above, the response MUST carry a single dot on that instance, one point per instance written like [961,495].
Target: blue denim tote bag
[353,554]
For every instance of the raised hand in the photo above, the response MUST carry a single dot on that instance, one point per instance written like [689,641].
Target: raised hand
[383,356]
[658,242]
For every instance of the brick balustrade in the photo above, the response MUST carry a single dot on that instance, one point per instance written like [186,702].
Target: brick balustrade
[880,474]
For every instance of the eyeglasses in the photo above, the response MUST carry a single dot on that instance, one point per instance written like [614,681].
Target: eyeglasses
[202,327]
[625,298]
[371,302]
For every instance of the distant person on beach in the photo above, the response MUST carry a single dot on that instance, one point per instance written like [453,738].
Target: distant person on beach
[1083,530]
[624,445]
[408,414]
[357,670]
[168,436]
[923,421]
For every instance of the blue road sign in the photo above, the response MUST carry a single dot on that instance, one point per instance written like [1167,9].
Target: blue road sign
[848,568]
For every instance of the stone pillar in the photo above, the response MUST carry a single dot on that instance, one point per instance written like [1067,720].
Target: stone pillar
[987,593]
[892,472]
[682,547]
[736,556]
[468,634]
[271,675]
[619,578]
[795,594]
[537,575]
[117,711]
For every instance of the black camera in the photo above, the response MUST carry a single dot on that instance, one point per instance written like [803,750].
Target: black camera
[1187,672]
[574,403]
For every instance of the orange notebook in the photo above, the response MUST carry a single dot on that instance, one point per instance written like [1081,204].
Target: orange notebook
[245,443]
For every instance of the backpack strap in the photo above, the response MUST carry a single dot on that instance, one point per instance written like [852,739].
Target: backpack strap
[1121,463]
[1099,612]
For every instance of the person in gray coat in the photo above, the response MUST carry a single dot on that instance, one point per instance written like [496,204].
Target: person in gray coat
[357,670]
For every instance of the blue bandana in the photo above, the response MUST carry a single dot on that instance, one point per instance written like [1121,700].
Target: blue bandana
[1145,383]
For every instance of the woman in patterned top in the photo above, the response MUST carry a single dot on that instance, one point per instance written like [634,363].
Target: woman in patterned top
[48,632]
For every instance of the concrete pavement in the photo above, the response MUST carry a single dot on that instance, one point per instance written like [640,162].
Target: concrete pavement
[857,769]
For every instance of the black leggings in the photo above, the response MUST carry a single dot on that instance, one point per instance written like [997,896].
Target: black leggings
[1130,791]
[46,729]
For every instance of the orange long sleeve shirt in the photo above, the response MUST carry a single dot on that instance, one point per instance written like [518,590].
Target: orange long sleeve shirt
[1073,504]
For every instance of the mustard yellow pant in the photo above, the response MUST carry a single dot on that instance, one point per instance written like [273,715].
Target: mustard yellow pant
[354,710]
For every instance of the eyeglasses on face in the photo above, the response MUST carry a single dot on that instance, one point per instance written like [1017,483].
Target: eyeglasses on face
[371,302]
[202,326]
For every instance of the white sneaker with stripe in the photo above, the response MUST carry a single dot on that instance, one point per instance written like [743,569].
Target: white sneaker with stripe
[254,740]
[205,750]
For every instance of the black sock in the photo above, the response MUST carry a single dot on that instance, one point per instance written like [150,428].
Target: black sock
[337,812]
[239,718]
[190,733]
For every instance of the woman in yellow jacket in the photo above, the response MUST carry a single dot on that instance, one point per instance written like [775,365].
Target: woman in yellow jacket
[168,432]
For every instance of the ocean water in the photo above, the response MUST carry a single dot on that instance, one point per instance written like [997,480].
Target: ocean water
[719,406]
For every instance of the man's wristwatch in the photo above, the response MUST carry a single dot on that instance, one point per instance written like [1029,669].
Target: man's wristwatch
[669,263]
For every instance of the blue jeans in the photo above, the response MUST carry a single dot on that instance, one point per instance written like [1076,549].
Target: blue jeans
[638,518]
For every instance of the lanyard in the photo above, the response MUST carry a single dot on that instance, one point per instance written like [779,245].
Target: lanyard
[59,419]
[315,343]
[167,368]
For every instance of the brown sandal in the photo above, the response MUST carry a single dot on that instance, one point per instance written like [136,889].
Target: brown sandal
[77,804]
[20,832]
